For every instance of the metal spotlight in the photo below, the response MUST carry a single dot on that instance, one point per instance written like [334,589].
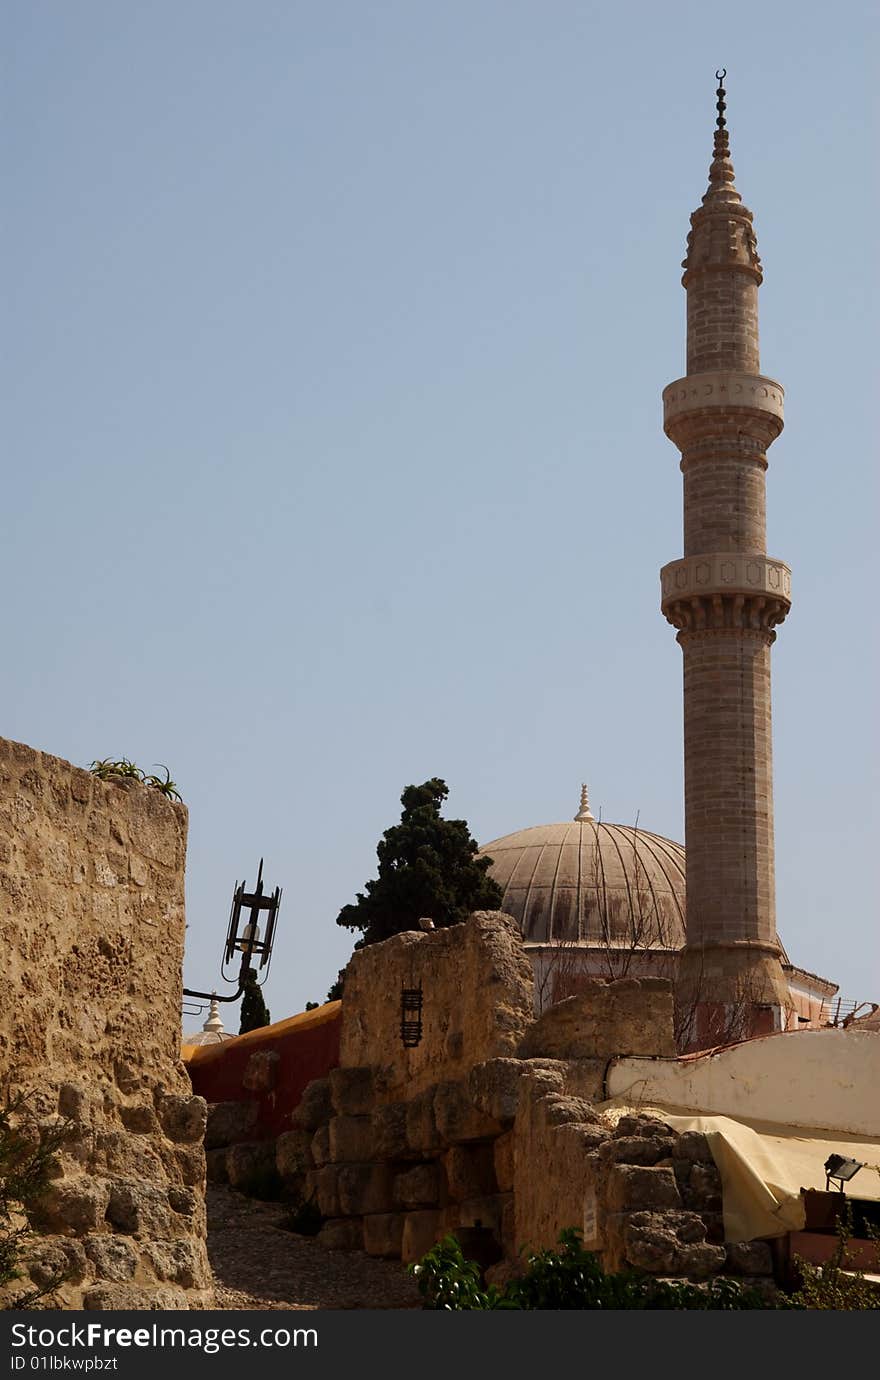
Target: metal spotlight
[839,1170]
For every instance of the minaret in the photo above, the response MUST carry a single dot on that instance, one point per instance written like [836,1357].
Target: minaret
[726,597]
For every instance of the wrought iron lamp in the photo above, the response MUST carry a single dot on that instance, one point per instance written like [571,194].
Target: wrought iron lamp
[246,939]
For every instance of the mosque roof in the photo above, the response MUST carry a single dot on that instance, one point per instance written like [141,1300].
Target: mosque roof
[586,881]
[212,1032]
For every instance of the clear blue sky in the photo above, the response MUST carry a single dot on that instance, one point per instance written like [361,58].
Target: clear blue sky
[336,334]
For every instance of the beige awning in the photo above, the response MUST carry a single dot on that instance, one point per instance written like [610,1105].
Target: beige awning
[764,1166]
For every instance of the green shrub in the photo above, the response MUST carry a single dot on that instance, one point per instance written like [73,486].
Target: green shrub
[108,767]
[835,1285]
[27,1155]
[568,1278]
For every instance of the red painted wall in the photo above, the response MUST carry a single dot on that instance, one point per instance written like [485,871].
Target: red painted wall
[307,1046]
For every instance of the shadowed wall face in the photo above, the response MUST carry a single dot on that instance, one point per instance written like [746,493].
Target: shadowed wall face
[92,929]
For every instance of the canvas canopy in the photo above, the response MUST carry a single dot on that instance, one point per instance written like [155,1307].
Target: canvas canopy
[764,1166]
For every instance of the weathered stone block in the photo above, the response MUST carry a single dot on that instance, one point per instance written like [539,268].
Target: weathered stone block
[389,1131]
[636,1149]
[494,1088]
[639,1124]
[352,1091]
[135,1296]
[342,1234]
[315,1106]
[749,1258]
[139,1207]
[421,1186]
[694,1146]
[322,1185]
[703,1192]
[586,1078]
[350,1139]
[365,1188]
[184,1201]
[48,1261]
[320,1145]
[669,1242]
[251,1166]
[74,1206]
[421,1231]
[73,1101]
[114,1257]
[632,1187]
[383,1234]
[458,1119]
[422,1136]
[261,1071]
[140,1120]
[604,1019]
[470,1171]
[175,1261]
[558,1109]
[229,1122]
[479,999]
[293,1153]
[503,1154]
[183,1118]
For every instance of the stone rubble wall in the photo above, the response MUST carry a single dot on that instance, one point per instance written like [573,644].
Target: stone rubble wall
[490,1121]
[92,928]
[477,1003]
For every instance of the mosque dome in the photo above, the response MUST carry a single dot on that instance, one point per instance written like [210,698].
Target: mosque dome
[592,883]
[212,1032]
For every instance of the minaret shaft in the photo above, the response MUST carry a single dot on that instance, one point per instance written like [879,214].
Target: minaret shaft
[725,598]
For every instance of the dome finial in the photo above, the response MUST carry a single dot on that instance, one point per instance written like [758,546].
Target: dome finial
[720,93]
[721,171]
[214,1023]
[585,813]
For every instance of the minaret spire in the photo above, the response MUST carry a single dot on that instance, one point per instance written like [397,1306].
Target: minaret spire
[725,598]
[721,171]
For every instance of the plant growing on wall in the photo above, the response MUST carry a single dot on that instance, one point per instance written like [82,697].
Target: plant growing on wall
[107,768]
[254,1011]
[428,868]
[27,1151]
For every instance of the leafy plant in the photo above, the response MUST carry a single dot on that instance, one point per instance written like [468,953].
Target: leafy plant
[163,784]
[27,1151]
[107,768]
[447,1281]
[836,1285]
[568,1278]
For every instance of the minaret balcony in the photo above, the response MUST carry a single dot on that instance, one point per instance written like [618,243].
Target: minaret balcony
[724,573]
[699,403]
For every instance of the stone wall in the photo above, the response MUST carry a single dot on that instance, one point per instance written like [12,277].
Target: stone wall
[92,930]
[489,1126]
[477,1002]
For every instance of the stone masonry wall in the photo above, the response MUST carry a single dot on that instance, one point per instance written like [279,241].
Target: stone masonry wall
[92,929]
[477,1002]
[644,1196]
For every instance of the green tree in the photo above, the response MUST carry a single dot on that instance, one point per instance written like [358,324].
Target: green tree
[254,1012]
[428,867]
